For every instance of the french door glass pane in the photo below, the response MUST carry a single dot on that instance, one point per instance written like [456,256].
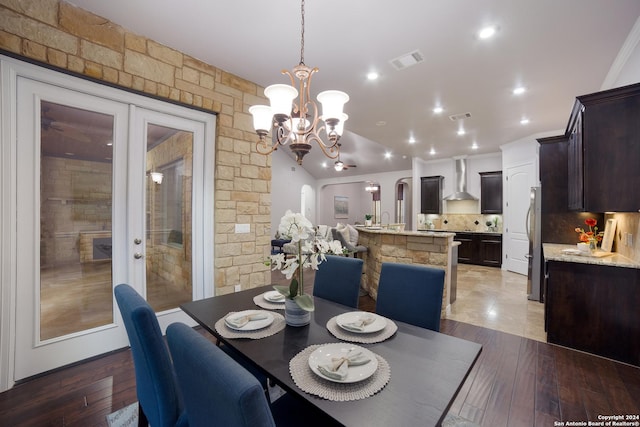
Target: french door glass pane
[75,219]
[168,217]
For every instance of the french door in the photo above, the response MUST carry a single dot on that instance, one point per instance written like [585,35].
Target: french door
[108,191]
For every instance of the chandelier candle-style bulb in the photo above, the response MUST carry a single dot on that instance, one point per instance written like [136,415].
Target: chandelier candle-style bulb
[281,97]
[262,118]
[339,128]
[332,104]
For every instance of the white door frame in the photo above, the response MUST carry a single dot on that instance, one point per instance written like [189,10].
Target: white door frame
[10,69]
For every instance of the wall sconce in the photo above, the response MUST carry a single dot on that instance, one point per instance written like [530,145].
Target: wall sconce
[156,177]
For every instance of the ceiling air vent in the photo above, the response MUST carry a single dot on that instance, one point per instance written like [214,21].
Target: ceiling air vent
[407,60]
[461,116]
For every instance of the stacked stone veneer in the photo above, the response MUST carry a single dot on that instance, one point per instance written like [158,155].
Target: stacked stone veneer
[75,197]
[407,248]
[62,35]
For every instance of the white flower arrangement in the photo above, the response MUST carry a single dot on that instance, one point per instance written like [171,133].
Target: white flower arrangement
[310,254]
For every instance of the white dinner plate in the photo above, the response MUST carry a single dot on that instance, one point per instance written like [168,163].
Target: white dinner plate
[274,296]
[353,316]
[253,325]
[323,355]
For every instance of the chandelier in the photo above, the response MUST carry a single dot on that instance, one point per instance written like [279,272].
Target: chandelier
[297,122]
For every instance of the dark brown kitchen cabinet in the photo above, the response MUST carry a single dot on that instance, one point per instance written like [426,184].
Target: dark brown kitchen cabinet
[431,194]
[558,222]
[553,174]
[466,248]
[490,250]
[603,151]
[594,308]
[479,248]
[491,192]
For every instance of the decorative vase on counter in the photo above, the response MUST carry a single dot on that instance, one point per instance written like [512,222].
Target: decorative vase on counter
[294,315]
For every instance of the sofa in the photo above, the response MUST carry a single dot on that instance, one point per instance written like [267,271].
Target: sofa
[346,234]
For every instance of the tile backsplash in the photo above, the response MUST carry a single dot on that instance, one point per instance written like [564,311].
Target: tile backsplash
[461,222]
[628,223]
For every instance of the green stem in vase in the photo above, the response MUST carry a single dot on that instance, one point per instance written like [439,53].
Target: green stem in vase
[301,263]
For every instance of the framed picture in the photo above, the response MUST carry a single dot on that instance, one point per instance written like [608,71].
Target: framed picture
[609,234]
[340,207]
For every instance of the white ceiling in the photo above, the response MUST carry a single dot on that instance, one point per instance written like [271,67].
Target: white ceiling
[557,49]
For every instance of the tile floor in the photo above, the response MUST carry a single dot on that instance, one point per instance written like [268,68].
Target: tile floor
[486,296]
[497,299]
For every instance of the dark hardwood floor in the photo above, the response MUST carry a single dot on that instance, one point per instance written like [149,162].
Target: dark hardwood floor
[515,382]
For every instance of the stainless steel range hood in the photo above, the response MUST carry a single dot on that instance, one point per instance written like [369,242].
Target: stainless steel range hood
[461,182]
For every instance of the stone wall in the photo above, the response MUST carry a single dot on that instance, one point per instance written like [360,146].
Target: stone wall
[57,33]
[75,197]
[404,248]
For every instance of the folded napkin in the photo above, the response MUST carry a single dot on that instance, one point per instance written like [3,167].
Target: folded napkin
[338,368]
[360,323]
[278,297]
[238,321]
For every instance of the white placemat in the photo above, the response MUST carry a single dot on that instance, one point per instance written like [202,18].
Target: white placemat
[277,325]
[374,337]
[311,383]
[263,303]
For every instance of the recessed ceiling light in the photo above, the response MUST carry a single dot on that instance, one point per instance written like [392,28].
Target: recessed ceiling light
[372,75]
[524,121]
[438,110]
[519,90]
[487,32]
[387,155]
[474,146]
[461,131]
[324,164]
[381,123]
[432,151]
[109,144]
[412,140]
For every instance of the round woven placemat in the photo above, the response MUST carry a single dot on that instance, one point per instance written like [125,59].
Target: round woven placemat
[374,337]
[277,325]
[311,383]
[261,302]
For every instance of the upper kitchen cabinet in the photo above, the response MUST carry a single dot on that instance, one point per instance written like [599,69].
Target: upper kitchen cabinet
[491,192]
[431,194]
[553,174]
[603,151]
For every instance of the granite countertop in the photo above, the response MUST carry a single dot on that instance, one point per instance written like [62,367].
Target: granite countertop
[439,230]
[553,252]
[432,233]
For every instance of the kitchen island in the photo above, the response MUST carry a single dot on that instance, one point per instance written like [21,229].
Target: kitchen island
[591,303]
[432,249]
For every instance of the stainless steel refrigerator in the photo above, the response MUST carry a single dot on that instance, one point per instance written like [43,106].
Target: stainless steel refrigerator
[534,228]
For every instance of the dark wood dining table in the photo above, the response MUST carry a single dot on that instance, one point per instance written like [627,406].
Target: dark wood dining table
[428,368]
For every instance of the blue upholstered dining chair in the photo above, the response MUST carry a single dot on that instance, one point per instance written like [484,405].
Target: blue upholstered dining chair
[158,395]
[338,279]
[216,389]
[219,391]
[411,294]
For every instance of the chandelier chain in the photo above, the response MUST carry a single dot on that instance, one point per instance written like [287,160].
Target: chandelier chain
[302,33]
